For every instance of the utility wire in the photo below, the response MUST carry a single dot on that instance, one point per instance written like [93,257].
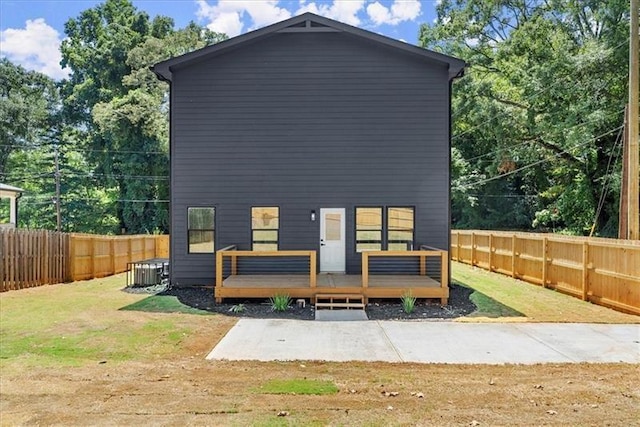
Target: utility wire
[528,142]
[484,181]
[607,180]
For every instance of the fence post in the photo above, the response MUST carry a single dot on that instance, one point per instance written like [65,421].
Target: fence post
[473,249]
[544,261]
[92,253]
[72,258]
[490,251]
[585,270]
[458,246]
[112,254]
[513,256]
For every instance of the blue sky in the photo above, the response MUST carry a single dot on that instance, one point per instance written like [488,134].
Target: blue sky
[31,30]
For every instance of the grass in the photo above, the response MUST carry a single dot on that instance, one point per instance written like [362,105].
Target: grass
[298,386]
[503,298]
[85,322]
[163,304]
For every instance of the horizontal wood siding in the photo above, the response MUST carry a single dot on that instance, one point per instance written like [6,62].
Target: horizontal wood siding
[304,121]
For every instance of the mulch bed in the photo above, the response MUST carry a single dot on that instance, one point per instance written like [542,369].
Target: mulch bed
[378,309]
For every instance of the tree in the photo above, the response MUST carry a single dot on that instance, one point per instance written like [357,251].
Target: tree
[538,112]
[121,107]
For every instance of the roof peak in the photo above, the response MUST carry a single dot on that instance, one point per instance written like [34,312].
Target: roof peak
[307,22]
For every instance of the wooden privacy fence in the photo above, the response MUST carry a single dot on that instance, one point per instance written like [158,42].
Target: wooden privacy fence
[603,271]
[31,258]
[92,256]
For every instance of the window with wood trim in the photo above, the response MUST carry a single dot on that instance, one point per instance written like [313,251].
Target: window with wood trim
[400,226]
[368,229]
[265,226]
[201,230]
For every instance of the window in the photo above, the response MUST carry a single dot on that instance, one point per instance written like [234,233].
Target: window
[265,223]
[379,229]
[368,229]
[400,229]
[201,225]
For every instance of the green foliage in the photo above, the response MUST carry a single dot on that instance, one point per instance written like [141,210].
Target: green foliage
[298,386]
[535,117]
[237,308]
[280,302]
[408,302]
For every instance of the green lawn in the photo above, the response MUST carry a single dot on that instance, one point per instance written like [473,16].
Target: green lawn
[502,298]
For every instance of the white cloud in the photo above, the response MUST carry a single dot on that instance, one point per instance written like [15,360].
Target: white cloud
[341,10]
[227,16]
[35,47]
[399,11]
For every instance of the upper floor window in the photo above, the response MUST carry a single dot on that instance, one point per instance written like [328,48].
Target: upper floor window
[265,225]
[201,230]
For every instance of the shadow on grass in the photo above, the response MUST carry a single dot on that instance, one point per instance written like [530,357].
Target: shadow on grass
[489,307]
[162,304]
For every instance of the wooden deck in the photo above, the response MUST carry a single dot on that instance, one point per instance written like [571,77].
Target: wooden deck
[297,286]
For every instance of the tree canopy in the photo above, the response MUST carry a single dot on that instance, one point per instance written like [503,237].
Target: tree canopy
[537,117]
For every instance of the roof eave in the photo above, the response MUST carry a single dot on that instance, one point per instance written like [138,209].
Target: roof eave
[164,69]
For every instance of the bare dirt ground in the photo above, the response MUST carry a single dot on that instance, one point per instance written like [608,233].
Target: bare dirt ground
[187,390]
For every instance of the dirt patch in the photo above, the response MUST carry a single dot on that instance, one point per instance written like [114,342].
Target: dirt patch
[187,391]
[460,305]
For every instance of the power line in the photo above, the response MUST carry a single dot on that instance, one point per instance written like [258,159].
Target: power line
[110,152]
[607,180]
[528,142]
[484,181]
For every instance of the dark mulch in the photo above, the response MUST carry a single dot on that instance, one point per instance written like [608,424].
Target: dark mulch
[382,309]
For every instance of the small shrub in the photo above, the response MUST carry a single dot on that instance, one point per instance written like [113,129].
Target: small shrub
[238,308]
[280,302]
[408,302]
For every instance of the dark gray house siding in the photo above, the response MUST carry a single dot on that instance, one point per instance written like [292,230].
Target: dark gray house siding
[305,121]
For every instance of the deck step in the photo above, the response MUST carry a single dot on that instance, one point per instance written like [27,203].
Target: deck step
[341,301]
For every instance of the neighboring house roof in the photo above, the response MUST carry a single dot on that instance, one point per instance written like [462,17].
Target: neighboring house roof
[10,188]
[305,23]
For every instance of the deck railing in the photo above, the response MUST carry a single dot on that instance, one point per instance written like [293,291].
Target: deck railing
[232,253]
[423,254]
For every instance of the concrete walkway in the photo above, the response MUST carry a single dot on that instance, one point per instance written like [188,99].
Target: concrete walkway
[429,342]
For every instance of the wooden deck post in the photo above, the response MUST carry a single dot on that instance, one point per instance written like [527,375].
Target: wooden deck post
[365,270]
[312,269]
[423,265]
[234,264]
[444,273]
[219,272]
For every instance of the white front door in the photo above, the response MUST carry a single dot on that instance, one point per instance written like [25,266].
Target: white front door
[332,240]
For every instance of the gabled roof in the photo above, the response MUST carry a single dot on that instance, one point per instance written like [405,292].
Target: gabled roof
[305,23]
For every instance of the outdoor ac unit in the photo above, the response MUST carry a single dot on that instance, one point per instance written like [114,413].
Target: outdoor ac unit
[146,274]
